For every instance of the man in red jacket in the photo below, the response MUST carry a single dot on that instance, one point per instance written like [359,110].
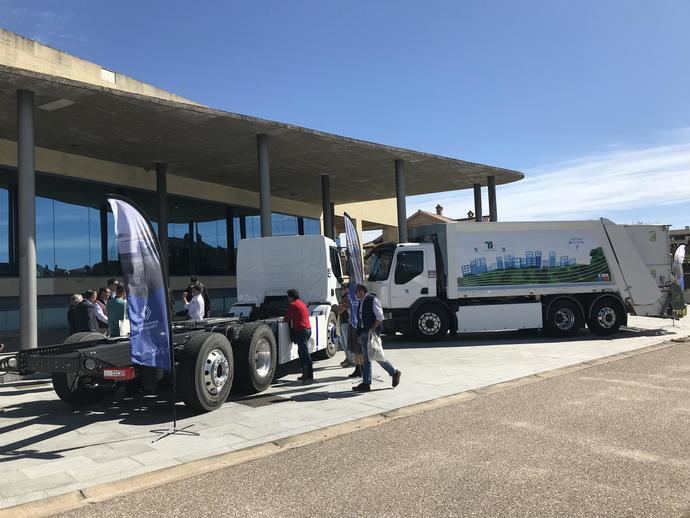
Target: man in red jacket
[297,316]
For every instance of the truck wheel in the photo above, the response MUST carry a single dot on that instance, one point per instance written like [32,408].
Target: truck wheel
[430,322]
[606,316]
[256,357]
[332,340]
[205,371]
[564,318]
[69,387]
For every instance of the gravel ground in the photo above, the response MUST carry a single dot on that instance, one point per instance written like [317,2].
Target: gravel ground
[610,440]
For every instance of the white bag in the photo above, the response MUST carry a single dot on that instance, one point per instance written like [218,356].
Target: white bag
[124,327]
[375,348]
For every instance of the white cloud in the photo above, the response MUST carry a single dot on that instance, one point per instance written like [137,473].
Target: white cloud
[587,187]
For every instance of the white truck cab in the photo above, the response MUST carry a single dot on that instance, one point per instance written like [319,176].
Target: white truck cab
[401,274]
[269,266]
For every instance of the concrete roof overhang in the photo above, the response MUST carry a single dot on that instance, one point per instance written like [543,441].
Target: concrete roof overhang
[220,147]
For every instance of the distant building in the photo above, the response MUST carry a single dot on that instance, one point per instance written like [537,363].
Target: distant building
[423,217]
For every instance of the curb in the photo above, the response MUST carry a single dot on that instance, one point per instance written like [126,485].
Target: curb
[80,498]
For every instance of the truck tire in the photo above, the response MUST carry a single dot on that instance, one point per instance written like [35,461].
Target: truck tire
[256,357]
[430,322]
[564,318]
[605,316]
[205,371]
[68,386]
[332,340]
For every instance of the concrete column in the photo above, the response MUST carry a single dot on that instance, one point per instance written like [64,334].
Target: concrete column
[243,227]
[230,238]
[264,184]
[104,238]
[162,199]
[26,238]
[326,206]
[491,183]
[12,227]
[332,213]
[400,199]
[477,202]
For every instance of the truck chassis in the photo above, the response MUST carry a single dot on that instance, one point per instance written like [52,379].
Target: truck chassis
[211,356]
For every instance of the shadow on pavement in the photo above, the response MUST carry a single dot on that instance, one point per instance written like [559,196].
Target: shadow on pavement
[512,338]
[132,410]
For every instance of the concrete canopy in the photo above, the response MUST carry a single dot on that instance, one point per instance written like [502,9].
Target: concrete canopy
[220,147]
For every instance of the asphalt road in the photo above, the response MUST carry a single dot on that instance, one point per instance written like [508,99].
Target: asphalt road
[611,440]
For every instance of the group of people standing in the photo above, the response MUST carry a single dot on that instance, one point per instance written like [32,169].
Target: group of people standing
[353,340]
[98,311]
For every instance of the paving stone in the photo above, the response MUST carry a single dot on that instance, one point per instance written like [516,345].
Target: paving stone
[10,488]
[91,447]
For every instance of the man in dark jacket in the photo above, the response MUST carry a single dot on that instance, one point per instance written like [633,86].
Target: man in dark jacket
[85,314]
[74,301]
[370,319]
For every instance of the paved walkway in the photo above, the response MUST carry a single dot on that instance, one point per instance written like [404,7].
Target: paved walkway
[50,449]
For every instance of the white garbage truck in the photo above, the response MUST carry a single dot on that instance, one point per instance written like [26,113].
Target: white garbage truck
[213,354]
[559,276]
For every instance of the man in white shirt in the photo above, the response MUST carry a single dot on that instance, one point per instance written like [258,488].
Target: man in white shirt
[194,306]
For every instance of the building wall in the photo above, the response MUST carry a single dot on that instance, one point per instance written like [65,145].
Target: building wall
[19,52]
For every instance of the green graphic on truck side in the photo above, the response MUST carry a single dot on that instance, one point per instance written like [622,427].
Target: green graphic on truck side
[596,271]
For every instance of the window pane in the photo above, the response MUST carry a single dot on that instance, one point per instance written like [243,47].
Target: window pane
[45,237]
[179,249]
[72,237]
[283,225]
[312,227]
[253,225]
[409,265]
[212,247]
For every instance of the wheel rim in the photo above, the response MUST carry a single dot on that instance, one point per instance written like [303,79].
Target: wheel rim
[216,371]
[429,323]
[332,337]
[606,318]
[564,319]
[262,358]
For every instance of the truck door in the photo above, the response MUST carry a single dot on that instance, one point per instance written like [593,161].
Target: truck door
[410,279]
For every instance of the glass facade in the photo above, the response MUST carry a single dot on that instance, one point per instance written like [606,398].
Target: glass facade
[75,235]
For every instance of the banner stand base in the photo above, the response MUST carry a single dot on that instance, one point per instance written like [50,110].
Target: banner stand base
[174,431]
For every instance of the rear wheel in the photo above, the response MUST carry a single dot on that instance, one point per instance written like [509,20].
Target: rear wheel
[72,388]
[206,371]
[605,316]
[564,318]
[430,322]
[256,357]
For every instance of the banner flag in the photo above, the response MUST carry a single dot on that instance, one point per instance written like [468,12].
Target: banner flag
[146,285]
[354,255]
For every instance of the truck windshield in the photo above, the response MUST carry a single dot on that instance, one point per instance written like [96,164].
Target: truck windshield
[380,265]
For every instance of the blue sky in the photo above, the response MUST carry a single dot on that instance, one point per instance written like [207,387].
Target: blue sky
[589,98]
